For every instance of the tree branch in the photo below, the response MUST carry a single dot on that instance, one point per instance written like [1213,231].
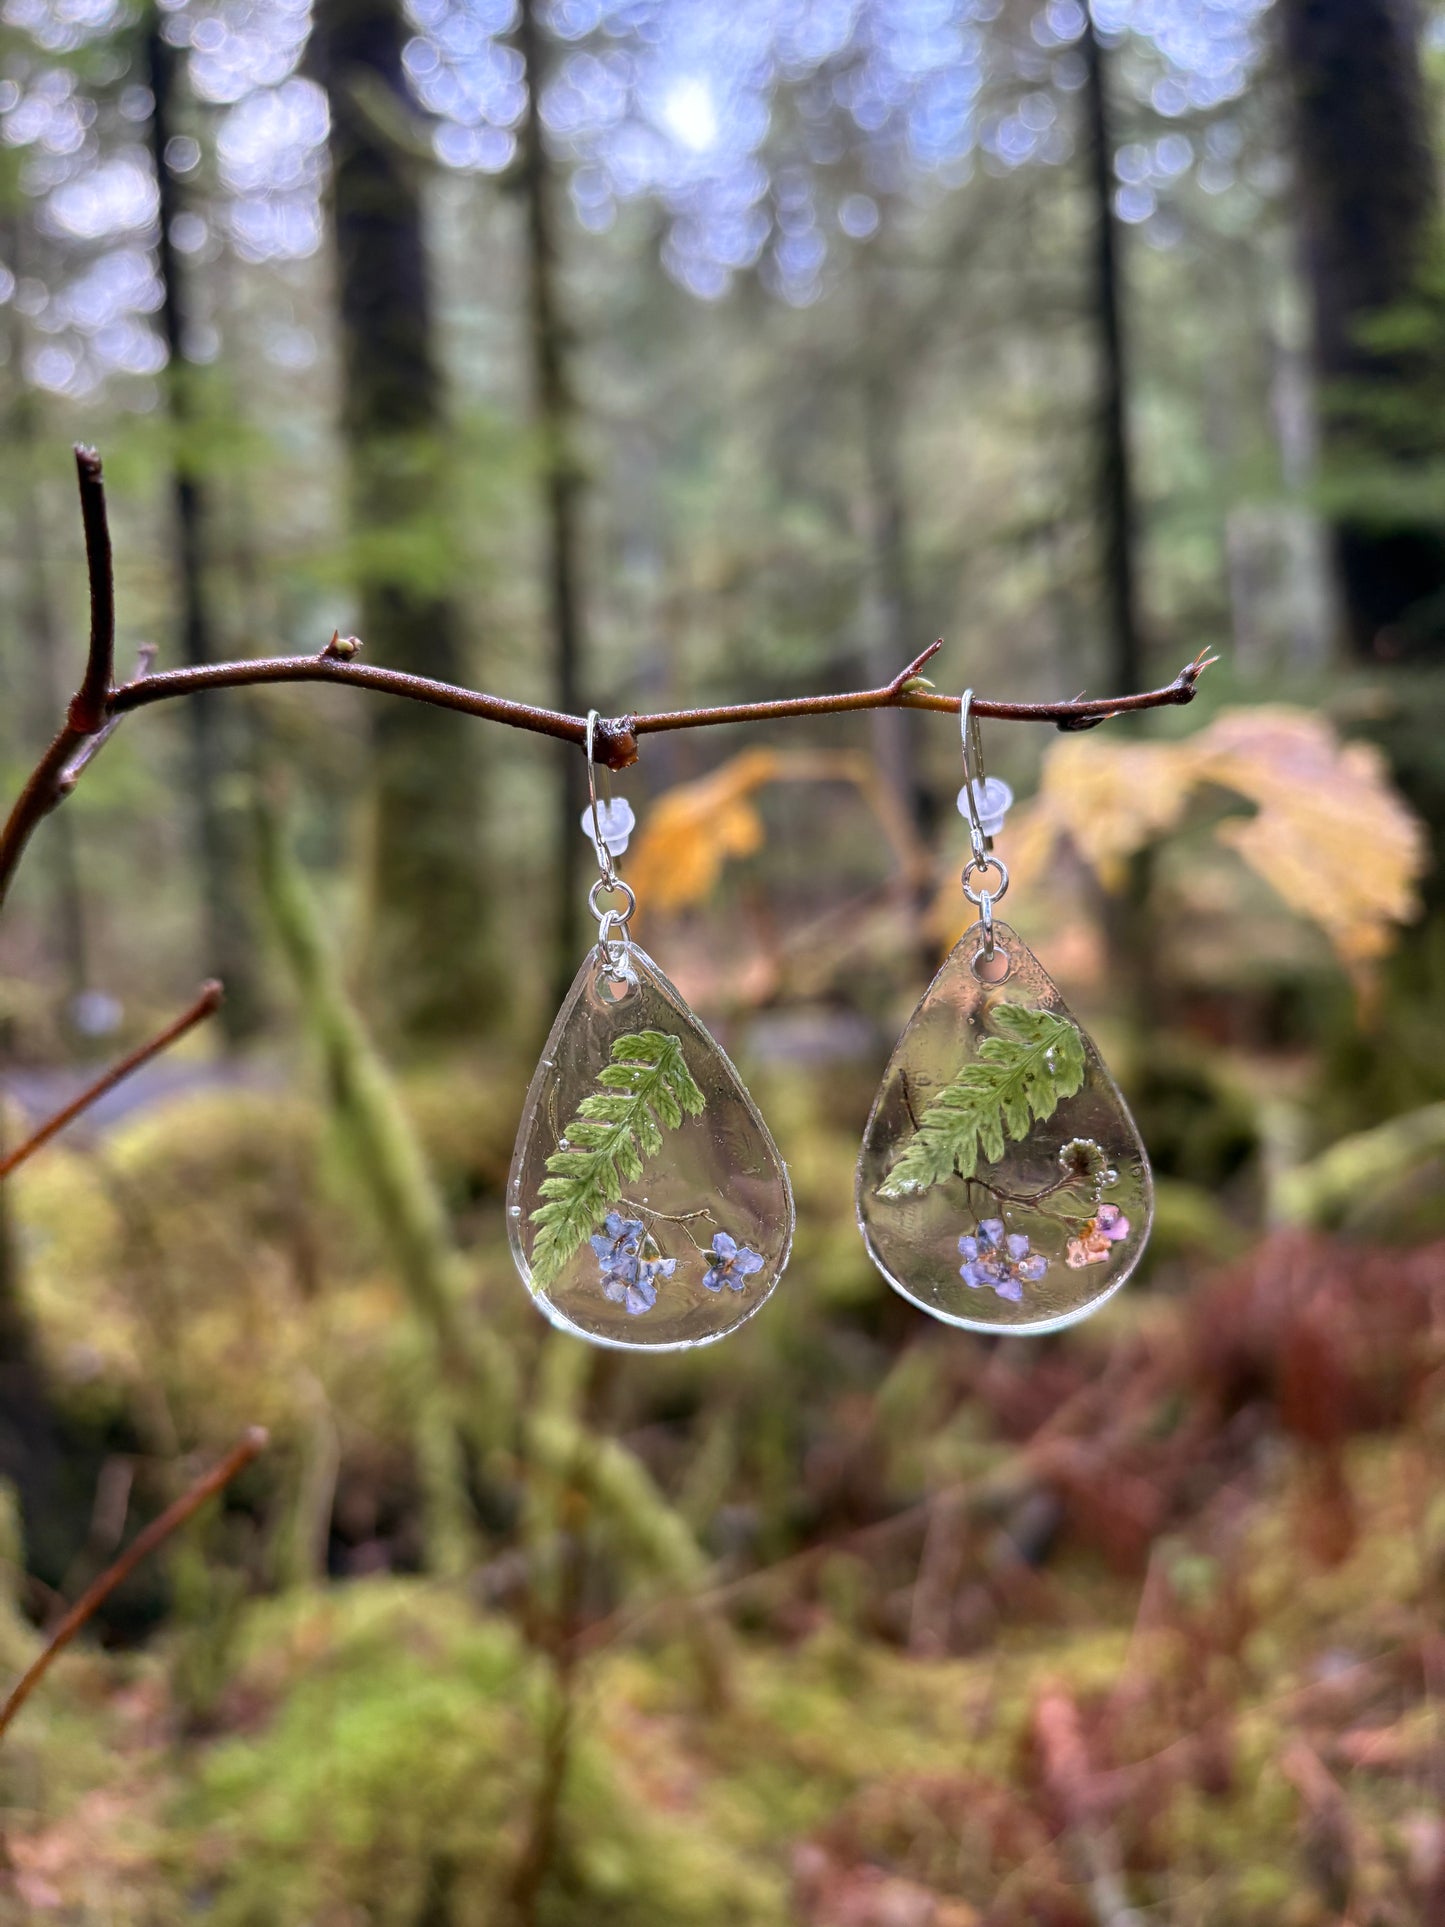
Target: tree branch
[53,777]
[616,738]
[88,705]
[206,1004]
[145,1542]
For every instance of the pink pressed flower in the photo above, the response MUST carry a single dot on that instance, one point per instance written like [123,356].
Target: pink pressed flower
[1091,1247]
[1111,1223]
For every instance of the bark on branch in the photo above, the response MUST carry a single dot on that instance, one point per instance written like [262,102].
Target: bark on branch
[617,737]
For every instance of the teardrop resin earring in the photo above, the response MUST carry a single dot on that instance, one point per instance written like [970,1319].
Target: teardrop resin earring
[1002,1182]
[647,1205]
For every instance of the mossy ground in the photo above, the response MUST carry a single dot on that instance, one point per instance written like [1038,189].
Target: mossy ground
[1016,1636]
[375,1756]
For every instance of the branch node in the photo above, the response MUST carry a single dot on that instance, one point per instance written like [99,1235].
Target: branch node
[909,678]
[615,742]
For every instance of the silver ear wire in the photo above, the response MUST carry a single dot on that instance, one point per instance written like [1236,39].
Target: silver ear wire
[973,776]
[982,859]
[612,938]
[604,854]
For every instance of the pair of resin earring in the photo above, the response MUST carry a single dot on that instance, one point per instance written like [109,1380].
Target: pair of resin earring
[1002,1184]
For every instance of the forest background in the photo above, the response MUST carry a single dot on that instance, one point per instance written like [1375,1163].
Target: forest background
[638,354]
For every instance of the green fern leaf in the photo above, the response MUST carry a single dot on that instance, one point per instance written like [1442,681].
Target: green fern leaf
[1018,1079]
[645,1090]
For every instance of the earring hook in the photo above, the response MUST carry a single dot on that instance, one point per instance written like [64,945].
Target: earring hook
[973,773]
[604,854]
[612,937]
[982,803]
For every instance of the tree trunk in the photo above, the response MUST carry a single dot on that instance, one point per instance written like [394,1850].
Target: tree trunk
[218,834]
[49,689]
[556,413]
[1128,923]
[1366,188]
[1117,529]
[428,962]
[893,640]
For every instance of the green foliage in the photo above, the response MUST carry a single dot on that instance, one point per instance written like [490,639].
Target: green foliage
[646,1089]
[395,1761]
[1017,1080]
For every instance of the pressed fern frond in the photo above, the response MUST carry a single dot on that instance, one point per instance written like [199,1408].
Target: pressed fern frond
[645,1090]
[1018,1078]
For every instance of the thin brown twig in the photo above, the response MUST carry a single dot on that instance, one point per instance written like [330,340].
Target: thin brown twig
[88,705]
[207,1002]
[616,743]
[251,1444]
[616,737]
[53,777]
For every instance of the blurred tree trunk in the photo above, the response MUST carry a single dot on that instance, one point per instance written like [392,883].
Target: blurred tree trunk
[62,856]
[428,960]
[555,403]
[1115,508]
[1128,923]
[892,640]
[219,838]
[49,692]
[1366,187]
[897,734]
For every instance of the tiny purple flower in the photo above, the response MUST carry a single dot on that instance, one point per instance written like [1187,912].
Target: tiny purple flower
[641,1294]
[1003,1263]
[616,1246]
[1111,1223]
[732,1264]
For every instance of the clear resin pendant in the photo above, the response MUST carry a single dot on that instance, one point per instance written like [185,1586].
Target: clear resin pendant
[647,1206]
[1002,1183]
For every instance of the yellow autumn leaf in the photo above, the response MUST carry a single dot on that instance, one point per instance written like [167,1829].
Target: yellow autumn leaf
[1331,834]
[1111,799]
[693,829]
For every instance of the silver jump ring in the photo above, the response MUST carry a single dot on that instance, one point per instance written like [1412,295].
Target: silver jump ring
[981,897]
[610,918]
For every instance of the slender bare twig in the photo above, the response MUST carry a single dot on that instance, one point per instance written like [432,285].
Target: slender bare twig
[53,777]
[617,737]
[88,705]
[252,1443]
[616,740]
[207,1002]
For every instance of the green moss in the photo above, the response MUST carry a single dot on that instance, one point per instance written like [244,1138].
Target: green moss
[403,1741]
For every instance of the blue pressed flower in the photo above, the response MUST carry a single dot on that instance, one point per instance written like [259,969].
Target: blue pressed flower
[1002,1262]
[732,1264]
[641,1294]
[616,1246]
